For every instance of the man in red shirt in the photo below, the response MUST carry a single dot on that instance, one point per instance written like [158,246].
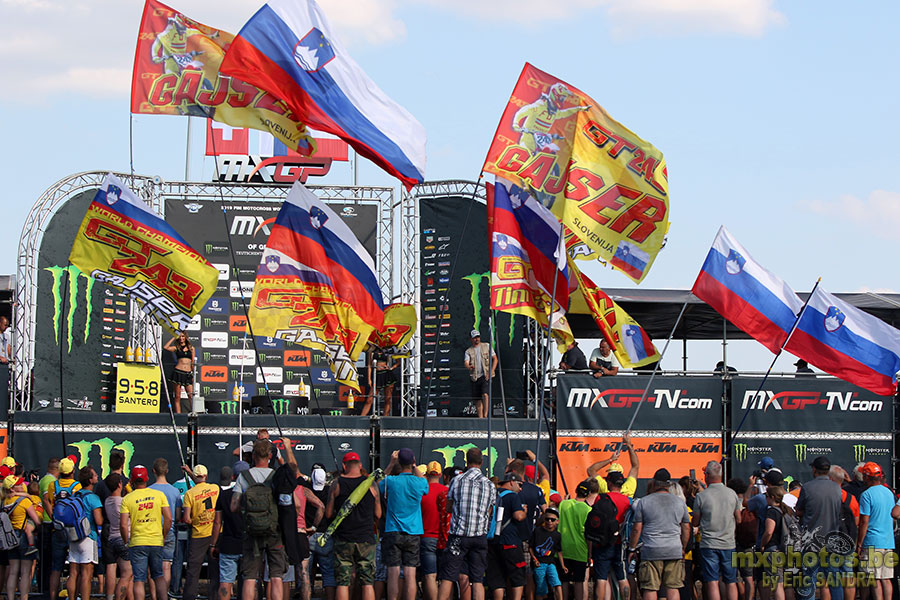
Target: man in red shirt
[609,559]
[431,523]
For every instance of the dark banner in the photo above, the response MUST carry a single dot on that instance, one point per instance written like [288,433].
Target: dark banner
[808,404]
[673,403]
[448,440]
[460,281]
[792,454]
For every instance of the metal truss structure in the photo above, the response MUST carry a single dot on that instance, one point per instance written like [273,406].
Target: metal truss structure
[395,262]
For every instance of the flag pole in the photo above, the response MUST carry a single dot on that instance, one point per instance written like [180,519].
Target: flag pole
[656,369]
[157,349]
[734,434]
[62,396]
[490,401]
[502,392]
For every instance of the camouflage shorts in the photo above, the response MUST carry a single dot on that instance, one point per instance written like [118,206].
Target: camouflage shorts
[350,557]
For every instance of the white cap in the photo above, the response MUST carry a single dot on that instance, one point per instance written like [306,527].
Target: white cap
[475,333]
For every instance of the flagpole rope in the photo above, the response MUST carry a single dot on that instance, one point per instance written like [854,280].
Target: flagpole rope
[502,391]
[443,301]
[131,143]
[490,408]
[157,347]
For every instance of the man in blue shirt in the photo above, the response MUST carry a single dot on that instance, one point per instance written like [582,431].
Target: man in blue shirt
[403,521]
[875,543]
[84,554]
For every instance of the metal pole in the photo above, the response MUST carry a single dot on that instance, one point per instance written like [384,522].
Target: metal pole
[490,408]
[187,150]
[502,392]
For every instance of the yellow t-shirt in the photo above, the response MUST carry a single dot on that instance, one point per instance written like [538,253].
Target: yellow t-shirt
[545,487]
[628,488]
[144,509]
[18,515]
[201,499]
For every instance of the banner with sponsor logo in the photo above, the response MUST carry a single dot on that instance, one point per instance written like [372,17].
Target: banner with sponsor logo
[465,305]
[673,403]
[793,453]
[809,404]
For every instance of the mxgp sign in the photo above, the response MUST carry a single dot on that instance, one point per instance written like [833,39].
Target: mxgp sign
[626,398]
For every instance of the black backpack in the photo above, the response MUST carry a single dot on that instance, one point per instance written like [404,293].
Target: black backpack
[848,523]
[601,526]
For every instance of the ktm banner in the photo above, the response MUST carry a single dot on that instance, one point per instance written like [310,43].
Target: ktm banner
[677,454]
[606,184]
[794,453]
[176,72]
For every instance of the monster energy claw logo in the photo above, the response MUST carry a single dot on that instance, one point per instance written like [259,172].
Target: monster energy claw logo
[105,446]
[209,248]
[74,275]
[740,452]
[235,374]
[228,407]
[281,405]
[475,280]
[800,452]
[859,452]
[448,453]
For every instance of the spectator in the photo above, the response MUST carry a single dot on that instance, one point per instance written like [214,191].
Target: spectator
[572,516]
[309,513]
[818,510]
[506,561]
[20,508]
[745,537]
[481,361]
[546,548]
[573,359]
[662,525]
[247,449]
[875,543]
[532,497]
[45,484]
[83,554]
[116,467]
[354,539]
[469,501]
[803,369]
[322,557]
[857,484]
[608,559]
[227,535]
[603,361]
[199,511]
[6,354]
[145,521]
[630,485]
[773,541]
[173,497]
[717,511]
[431,528]
[403,525]
[118,550]
[64,486]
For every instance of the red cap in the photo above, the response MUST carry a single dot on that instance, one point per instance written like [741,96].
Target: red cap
[5,472]
[350,456]
[871,469]
[73,458]
[139,473]
[529,472]
[555,498]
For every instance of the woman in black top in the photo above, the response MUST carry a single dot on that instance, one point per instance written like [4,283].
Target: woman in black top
[183,374]
[772,540]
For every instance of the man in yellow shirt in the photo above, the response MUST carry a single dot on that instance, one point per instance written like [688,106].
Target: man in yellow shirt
[630,485]
[145,521]
[59,543]
[200,512]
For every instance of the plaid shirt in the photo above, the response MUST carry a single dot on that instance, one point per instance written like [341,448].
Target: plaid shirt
[473,497]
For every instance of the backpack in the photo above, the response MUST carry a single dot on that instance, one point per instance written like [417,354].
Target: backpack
[259,509]
[9,537]
[847,522]
[601,526]
[497,515]
[790,532]
[70,514]
[747,529]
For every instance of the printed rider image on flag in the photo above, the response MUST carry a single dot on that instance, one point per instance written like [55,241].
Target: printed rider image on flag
[289,49]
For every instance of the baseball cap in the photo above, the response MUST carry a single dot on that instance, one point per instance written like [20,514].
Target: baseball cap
[66,465]
[774,477]
[510,476]
[5,472]
[529,472]
[12,481]
[475,333]
[662,475]
[318,477]
[351,456]
[821,463]
[139,473]
[555,498]
[421,469]
[615,478]
[434,467]
[582,489]
[10,462]
[766,462]
[239,467]
[405,457]
[800,363]
[201,471]
[871,469]
[615,467]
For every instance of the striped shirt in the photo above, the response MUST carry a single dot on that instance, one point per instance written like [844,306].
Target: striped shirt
[473,497]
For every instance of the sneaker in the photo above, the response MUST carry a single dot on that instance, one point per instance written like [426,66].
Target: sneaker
[32,550]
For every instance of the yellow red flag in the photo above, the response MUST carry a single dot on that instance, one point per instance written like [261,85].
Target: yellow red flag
[400,323]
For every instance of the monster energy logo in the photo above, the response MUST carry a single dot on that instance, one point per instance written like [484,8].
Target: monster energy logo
[235,306]
[740,452]
[281,406]
[235,374]
[859,452]
[207,390]
[475,280]
[235,340]
[209,248]
[105,446]
[228,407]
[449,454]
[74,274]
[206,356]
[289,375]
[800,452]
[207,321]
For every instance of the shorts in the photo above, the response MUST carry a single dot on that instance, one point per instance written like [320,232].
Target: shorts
[505,566]
[653,574]
[296,546]
[877,566]
[606,560]
[59,550]
[380,567]
[401,549]
[546,577]
[143,558]
[717,564]
[18,553]
[168,548]
[577,571]
[384,379]
[228,567]
[744,569]
[288,576]
[180,377]
[428,555]
[83,552]
[255,549]
[323,557]
[115,550]
[468,552]
[480,388]
[350,557]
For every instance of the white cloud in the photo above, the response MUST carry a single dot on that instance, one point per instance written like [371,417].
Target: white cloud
[879,214]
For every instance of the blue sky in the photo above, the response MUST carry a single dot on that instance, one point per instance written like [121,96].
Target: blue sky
[777,119]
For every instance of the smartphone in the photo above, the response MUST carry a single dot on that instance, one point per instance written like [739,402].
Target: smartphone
[693,474]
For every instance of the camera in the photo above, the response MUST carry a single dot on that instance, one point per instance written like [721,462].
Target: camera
[522,455]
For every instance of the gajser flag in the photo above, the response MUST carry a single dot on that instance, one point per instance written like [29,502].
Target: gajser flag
[631,344]
[604,183]
[288,48]
[528,256]
[121,242]
[399,326]
[176,72]
[848,343]
[316,285]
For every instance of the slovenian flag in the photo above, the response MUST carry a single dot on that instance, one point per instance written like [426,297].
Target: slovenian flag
[288,49]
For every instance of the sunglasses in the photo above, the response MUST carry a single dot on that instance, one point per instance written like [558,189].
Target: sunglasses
[551,519]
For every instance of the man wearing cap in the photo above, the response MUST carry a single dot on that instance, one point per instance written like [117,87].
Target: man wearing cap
[321,557]
[469,501]
[572,517]
[803,369]
[45,485]
[403,523]
[354,538]
[431,526]
[506,560]
[717,510]
[609,559]
[532,497]
[630,485]
[875,543]
[199,512]
[227,534]
[64,486]
[145,520]
[818,510]
[83,554]
[662,525]
[481,361]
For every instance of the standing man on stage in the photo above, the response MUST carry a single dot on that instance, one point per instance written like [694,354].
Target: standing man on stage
[481,361]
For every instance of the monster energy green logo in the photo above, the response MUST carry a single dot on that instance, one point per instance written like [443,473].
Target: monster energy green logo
[207,390]
[475,280]
[449,454]
[207,321]
[74,274]
[235,340]
[859,452]
[235,374]
[281,406]
[235,306]
[228,407]
[289,375]
[105,446]
[800,452]
[206,356]
[740,452]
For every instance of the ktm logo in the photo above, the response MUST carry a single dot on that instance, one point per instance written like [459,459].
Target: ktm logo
[237,323]
[218,374]
[296,358]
